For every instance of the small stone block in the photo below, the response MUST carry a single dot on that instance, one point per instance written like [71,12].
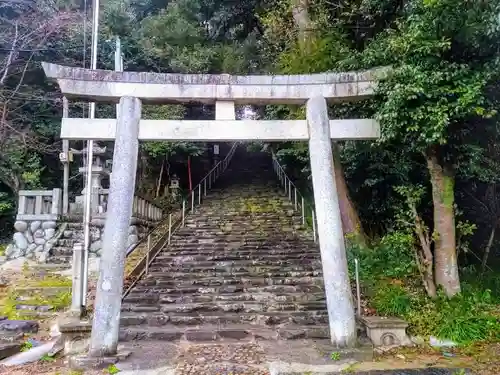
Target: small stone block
[384,331]
[291,334]
[199,335]
[86,362]
[11,336]
[73,325]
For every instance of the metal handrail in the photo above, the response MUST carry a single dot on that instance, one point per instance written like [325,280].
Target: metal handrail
[207,181]
[154,249]
[294,195]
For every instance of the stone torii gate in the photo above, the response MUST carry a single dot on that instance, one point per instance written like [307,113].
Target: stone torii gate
[130,89]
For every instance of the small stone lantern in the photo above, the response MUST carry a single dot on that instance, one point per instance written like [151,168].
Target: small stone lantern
[174,186]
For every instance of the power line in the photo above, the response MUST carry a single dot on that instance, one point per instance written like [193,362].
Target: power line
[41,49]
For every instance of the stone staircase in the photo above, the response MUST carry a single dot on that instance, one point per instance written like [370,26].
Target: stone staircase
[242,267]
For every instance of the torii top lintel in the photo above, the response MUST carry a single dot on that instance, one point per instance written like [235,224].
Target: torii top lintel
[165,88]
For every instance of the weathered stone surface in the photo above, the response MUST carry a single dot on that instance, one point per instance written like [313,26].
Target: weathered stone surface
[329,226]
[68,234]
[31,248]
[9,348]
[20,241]
[35,225]
[42,257]
[98,222]
[28,236]
[40,241]
[105,328]
[49,225]
[25,326]
[384,331]
[95,234]
[12,251]
[245,281]
[280,89]
[95,246]
[21,226]
[132,239]
[49,233]
[39,233]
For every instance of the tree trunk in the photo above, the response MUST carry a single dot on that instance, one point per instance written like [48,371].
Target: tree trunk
[303,23]
[488,247]
[424,257]
[351,223]
[443,198]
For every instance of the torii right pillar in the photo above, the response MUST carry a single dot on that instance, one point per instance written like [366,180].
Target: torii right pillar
[340,306]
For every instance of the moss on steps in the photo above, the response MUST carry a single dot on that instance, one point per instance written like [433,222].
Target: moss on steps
[35,295]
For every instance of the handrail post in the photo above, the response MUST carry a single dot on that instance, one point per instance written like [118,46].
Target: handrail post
[205,186]
[169,227]
[199,194]
[358,292]
[303,212]
[77,282]
[295,197]
[147,254]
[183,212]
[289,190]
[314,226]
[192,201]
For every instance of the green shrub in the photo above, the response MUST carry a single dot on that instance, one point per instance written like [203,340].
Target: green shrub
[391,300]
[389,278]
[392,257]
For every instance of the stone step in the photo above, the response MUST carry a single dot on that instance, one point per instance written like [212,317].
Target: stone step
[220,332]
[221,307]
[48,291]
[64,261]
[167,282]
[150,286]
[237,266]
[65,242]
[208,257]
[290,297]
[155,319]
[233,254]
[251,276]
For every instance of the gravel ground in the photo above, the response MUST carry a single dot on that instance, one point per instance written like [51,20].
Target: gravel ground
[221,359]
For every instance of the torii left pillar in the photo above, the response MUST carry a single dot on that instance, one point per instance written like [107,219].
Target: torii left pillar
[106,323]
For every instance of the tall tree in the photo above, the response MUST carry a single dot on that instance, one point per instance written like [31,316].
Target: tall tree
[443,58]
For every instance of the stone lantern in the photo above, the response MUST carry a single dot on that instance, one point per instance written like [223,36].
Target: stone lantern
[174,187]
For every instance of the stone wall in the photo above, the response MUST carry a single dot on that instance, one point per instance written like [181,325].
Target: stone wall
[34,239]
[136,231]
[43,241]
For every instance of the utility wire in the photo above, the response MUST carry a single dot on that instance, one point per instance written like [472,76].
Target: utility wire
[41,49]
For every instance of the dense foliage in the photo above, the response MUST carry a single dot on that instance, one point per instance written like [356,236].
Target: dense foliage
[420,205]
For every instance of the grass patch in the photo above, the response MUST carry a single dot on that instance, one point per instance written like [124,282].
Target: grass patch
[392,286]
[31,288]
